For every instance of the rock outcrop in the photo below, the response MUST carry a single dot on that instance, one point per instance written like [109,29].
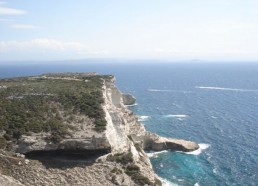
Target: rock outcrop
[157,143]
[128,99]
[37,142]
[124,141]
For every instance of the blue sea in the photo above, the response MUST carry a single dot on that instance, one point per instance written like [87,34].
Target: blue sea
[213,104]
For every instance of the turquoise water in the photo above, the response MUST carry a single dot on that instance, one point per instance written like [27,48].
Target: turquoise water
[215,105]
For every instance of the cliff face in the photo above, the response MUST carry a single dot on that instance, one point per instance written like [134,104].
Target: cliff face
[129,125]
[113,156]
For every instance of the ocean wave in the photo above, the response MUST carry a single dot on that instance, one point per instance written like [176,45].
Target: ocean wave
[165,182]
[143,118]
[160,90]
[176,116]
[214,171]
[132,105]
[153,154]
[227,89]
[202,147]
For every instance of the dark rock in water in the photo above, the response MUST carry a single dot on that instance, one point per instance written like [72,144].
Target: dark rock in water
[128,99]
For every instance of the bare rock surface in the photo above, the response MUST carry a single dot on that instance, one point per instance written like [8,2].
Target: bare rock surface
[157,143]
[9,181]
[128,99]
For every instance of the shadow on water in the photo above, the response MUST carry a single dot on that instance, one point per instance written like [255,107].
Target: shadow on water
[64,159]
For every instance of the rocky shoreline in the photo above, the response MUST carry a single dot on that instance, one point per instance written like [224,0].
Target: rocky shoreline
[123,160]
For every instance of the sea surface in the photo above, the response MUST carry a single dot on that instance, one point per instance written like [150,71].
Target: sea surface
[213,104]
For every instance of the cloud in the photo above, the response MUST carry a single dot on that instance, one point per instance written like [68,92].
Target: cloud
[24,26]
[42,45]
[49,49]
[6,20]
[11,11]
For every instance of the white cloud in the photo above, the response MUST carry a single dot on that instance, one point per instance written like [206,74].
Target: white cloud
[42,45]
[43,48]
[11,11]
[6,20]
[25,26]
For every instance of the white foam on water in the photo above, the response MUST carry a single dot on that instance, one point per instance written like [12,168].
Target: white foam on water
[143,118]
[177,116]
[196,184]
[168,90]
[214,171]
[165,182]
[155,154]
[159,90]
[226,89]
[202,147]
[132,105]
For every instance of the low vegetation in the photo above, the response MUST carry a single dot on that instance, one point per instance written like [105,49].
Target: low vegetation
[116,170]
[131,169]
[2,142]
[123,158]
[46,103]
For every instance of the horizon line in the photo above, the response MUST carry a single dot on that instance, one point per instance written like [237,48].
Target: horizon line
[36,61]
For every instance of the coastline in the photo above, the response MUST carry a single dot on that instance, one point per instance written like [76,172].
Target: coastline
[123,143]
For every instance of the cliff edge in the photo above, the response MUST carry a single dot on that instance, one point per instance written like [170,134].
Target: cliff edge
[106,147]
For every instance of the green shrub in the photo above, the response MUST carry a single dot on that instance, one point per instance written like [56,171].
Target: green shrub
[157,182]
[8,137]
[113,179]
[123,158]
[116,170]
[140,179]
[56,138]
[138,147]
[34,105]
[132,169]
[2,142]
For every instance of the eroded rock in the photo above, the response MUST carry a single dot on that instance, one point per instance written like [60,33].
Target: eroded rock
[128,99]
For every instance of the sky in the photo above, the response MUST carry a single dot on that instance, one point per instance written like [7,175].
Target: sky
[212,30]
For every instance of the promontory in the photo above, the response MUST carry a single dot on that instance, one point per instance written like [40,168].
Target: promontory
[74,129]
